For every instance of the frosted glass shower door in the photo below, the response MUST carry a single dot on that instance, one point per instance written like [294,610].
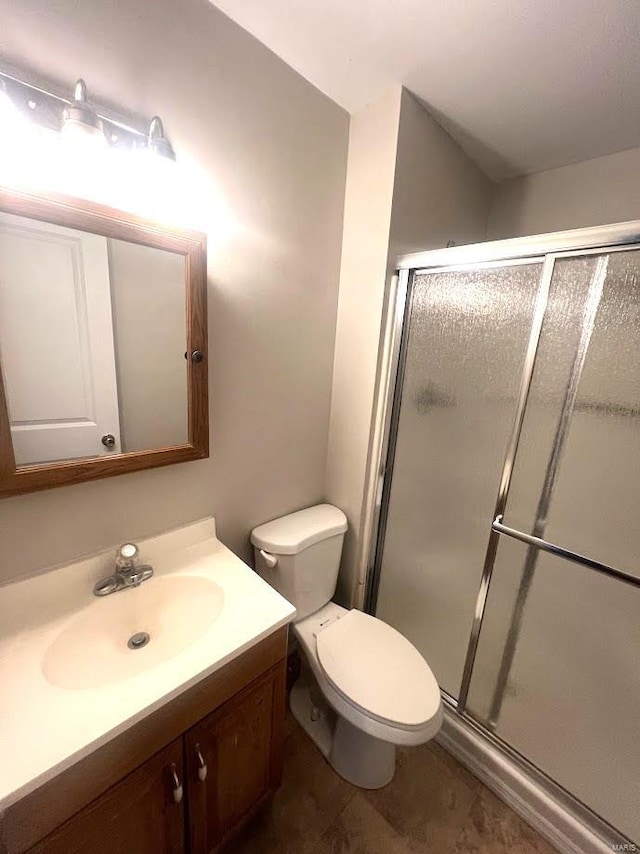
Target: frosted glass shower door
[557,672]
[594,304]
[571,704]
[467,336]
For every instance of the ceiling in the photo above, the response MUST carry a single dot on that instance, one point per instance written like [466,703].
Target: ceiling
[523,85]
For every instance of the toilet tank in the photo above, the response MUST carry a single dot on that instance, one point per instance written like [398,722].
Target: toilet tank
[299,555]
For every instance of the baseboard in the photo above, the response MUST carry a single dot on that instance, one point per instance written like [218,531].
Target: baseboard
[552,817]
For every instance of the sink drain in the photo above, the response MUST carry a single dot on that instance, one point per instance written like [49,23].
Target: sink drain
[138,640]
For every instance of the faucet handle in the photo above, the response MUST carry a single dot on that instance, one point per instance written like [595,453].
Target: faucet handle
[126,555]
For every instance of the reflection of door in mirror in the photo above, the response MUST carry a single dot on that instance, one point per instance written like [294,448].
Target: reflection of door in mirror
[56,341]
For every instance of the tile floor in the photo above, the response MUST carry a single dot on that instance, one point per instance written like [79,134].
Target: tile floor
[432,805]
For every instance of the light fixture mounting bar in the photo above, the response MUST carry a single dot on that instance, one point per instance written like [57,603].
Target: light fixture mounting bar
[46,108]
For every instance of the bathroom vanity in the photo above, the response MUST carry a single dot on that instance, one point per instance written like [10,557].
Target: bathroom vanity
[171,747]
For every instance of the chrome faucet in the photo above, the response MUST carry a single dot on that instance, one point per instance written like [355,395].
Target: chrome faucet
[126,574]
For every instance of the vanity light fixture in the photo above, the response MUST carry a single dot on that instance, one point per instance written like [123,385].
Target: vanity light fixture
[57,141]
[48,106]
[80,121]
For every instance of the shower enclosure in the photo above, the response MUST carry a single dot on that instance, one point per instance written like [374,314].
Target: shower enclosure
[508,539]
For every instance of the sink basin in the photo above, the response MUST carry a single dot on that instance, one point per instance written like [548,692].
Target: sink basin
[92,651]
[69,681]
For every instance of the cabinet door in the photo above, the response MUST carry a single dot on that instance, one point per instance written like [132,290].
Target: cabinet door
[234,761]
[142,814]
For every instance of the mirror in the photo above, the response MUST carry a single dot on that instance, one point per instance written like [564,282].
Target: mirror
[102,343]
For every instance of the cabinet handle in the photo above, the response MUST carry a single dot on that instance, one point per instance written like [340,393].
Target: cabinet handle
[202,765]
[176,784]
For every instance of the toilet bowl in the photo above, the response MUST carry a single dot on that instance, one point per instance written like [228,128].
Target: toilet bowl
[364,688]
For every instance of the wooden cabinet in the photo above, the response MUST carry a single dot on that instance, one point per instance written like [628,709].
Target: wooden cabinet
[139,815]
[184,779]
[229,765]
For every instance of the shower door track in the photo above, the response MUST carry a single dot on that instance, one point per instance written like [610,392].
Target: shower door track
[545,249]
[611,838]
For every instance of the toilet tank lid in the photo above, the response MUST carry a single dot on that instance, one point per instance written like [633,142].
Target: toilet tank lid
[297,531]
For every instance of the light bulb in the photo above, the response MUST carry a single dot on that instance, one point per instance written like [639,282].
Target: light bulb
[81,134]
[18,144]
[82,125]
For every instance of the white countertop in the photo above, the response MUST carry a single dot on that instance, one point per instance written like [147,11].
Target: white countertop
[44,728]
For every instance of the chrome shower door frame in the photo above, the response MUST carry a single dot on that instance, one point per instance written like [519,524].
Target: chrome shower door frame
[392,405]
[546,249]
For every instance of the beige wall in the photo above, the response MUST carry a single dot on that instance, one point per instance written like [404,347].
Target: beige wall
[373,138]
[439,195]
[409,186]
[595,192]
[276,150]
[149,330]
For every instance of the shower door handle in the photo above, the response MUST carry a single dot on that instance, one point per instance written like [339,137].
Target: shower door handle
[559,551]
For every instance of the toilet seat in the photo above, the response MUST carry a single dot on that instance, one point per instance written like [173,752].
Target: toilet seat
[375,668]
[306,631]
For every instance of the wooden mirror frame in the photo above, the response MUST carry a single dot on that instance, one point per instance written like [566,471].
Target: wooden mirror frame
[109,222]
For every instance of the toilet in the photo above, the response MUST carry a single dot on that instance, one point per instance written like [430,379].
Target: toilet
[364,688]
